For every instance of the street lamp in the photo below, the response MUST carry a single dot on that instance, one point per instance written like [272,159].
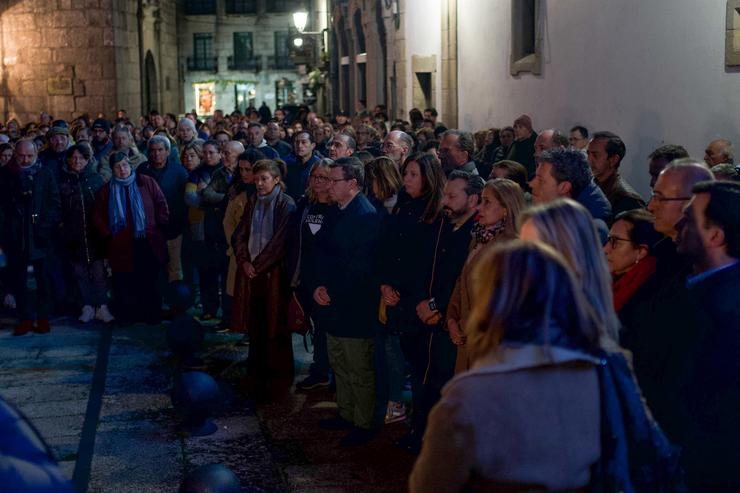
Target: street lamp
[300,20]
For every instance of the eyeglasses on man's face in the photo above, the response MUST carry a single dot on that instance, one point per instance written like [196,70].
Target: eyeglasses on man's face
[334,181]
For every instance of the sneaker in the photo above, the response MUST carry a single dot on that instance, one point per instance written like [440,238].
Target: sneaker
[87,314]
[42,326]
[313,382]
[395,412]
[104,315]
[23,328]
[356,437]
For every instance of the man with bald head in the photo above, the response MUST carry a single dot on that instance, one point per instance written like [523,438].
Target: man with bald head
[660,345]
[719,151]
[29,212]
[397,146]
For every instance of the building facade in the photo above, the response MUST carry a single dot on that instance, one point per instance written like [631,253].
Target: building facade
[237,53]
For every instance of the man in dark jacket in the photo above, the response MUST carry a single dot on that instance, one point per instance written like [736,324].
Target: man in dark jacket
[659,349]
[55,153]
[299,164]
[30,211]
[101,141]
[565,173]
[605,153]
[272,137]
[437,365]
[522,151]
[709,234]
[346,300]
[171,178]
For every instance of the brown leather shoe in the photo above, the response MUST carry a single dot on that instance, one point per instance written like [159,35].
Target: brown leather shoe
[23,328]
[42,326]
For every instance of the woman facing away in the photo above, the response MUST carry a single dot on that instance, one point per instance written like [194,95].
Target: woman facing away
[262,288]
[526,416]
[502,201]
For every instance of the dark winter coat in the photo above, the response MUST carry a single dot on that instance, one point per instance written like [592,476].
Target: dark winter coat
[297,177]
[213,200]
[120,245]
[711,430]
[53,160]
[30,212]
[346,271]
[171,180]
[406,256]
[451,254]
[594,200]
[78,234]
[269,265]
[522,151]
[621,195]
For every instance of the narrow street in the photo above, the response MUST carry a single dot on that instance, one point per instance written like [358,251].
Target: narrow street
[100,397]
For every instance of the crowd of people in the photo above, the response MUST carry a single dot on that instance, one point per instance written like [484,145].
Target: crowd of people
[500,273]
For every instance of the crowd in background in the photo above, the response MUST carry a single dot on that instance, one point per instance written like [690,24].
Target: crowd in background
[513,277]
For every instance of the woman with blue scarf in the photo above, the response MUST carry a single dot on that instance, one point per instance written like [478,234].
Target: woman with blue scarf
[130,213]
[262,289]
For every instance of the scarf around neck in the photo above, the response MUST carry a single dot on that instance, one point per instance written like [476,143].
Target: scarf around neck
[625,287]
[261,231]
[483,234]
[117,205]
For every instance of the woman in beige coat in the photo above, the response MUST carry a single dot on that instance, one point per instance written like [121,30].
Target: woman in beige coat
[501,202]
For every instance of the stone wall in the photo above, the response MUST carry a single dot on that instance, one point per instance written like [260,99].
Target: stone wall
[57,56]
[70,57]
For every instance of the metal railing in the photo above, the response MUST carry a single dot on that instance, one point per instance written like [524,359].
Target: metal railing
[280,63]
[203,64]
[253,64]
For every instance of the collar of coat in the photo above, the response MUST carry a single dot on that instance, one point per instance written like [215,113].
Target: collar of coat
[510,358]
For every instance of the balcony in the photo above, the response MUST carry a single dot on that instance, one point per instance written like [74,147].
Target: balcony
[280,63]
[203,64]
[253,64]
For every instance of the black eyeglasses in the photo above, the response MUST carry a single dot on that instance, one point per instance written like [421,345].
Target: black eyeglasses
[659,198]
[613,241]
[334,181]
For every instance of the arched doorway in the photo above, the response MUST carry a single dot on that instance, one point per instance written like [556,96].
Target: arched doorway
[151,89]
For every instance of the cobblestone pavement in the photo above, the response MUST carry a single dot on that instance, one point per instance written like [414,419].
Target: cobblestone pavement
[101,399]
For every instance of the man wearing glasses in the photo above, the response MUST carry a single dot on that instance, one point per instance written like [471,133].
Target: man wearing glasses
[346,300]
[397,146]
[666,335]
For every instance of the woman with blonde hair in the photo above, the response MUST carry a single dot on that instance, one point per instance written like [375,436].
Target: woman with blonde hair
[569,228]
[526,417]
[502,201]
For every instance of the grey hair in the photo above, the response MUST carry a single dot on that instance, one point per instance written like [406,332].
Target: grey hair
[159,139]
[465,141]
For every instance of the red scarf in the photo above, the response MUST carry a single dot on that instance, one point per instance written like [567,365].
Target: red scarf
[624,287]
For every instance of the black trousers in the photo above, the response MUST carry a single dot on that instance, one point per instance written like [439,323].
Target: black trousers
[431,357]
[136,296]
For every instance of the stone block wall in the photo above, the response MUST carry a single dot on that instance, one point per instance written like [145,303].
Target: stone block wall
[58,56]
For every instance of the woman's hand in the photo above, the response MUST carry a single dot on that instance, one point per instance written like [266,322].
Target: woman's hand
[390,295]
[456,334]
[249,271]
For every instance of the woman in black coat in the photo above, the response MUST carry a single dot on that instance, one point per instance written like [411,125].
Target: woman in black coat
[78,184]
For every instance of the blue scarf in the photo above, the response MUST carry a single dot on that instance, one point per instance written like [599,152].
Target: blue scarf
[117,205]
